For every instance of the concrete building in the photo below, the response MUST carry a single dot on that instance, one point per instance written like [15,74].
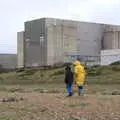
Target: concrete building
[110,56]
[48,41]
[111,37]
[111,45]
[20,49]
[8,61]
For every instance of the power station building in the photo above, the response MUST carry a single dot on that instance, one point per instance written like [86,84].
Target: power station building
[48,41]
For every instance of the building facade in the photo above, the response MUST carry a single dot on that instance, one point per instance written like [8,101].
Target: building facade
[48,41]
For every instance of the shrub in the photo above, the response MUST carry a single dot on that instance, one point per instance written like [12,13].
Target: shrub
[59,72]
[115,63]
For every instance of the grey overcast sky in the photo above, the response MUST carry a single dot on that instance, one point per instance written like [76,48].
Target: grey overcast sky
[13,14]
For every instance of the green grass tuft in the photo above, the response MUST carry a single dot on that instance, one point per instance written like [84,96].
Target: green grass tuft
[79,105]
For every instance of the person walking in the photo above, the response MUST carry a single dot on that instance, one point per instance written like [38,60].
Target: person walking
[69,80]
[79,73]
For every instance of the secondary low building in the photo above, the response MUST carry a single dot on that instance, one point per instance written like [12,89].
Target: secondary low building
[8,61]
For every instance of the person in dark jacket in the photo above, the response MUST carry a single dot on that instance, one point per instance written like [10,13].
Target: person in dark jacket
[69,80]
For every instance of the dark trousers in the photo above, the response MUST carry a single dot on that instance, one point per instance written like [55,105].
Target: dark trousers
[80,90]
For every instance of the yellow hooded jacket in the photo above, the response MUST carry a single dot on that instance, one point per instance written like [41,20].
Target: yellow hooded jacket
[79,73]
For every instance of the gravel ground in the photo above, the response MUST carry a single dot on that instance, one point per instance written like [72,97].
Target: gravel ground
[49,106]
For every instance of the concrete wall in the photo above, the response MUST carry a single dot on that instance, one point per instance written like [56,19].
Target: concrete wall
[72,37]
[35,43]
[110,56]
[89,38]
[8,61]
[111,37]
[61,38]
[20,49]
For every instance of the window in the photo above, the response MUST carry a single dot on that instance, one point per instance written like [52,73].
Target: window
[41,38]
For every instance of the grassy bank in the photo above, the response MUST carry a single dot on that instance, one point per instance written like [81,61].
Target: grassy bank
[95,75]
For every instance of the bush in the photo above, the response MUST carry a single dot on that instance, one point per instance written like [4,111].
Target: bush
[116,68]
[94,71]
[115,63]
[59,72]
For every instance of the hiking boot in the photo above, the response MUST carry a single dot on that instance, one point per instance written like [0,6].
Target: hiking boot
[70,94]
[81,94]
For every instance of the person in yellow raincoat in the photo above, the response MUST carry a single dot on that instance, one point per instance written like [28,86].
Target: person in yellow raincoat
[79,74]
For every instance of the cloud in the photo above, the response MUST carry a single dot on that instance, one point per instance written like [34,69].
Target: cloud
[14,13]
[103,11]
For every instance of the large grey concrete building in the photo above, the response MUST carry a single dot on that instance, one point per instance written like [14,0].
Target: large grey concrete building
[47,41]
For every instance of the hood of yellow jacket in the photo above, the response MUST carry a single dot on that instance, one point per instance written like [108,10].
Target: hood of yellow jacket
[76,63]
